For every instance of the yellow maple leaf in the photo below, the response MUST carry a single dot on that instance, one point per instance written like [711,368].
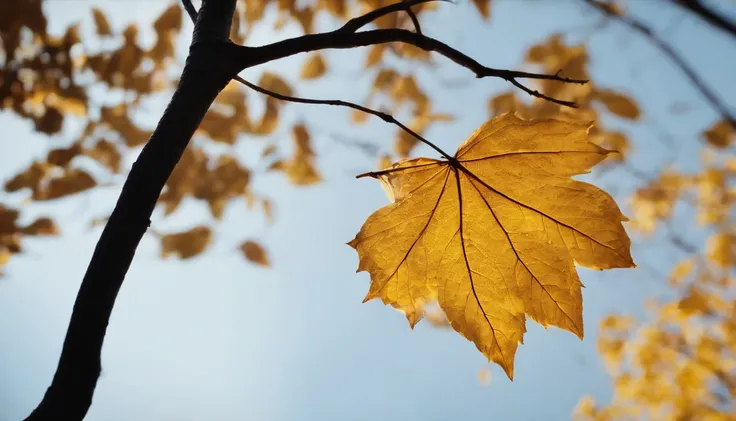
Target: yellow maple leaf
[492,233]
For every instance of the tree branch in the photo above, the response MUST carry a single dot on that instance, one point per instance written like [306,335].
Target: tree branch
[245,57]
[388,118]
[214,20]
[715,19]
[404,5]
[670,52]
[414,20]
[70,393]
[334,102]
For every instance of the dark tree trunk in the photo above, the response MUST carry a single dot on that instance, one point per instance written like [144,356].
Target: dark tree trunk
[70,394]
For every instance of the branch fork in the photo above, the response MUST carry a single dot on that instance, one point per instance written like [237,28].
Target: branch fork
[349,36]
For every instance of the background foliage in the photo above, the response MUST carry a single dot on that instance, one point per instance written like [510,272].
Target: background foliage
[89,87]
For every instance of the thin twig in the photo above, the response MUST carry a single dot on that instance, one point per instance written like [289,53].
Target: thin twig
[538,94]
[388,118]
[414,19]
[191,11]
[383,116]
[376,174]
[358,22]
[668,51]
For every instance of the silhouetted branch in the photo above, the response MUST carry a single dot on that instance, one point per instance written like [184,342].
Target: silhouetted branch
[414,19]
[388,118]
[191,11]
[403,5]
[346,37]
[70,394]
[336,102]
[668,51]
[709,15]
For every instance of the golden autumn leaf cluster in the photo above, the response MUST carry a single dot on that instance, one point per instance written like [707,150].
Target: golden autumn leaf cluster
[679,362]
[553,55]
[11,233]
[493,233]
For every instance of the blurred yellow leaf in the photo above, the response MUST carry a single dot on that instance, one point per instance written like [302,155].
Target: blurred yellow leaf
[721,248]
[226,181]
[255,253]
[375,55]
[186,244]
[720,134]
[384,79]
[275,83]
[384,162]
[436,317]
[167,26]
[404,89]
[269,120]
[73,181]
[62,156]
[484,376]
[30,178]
[305,17]
[484,7]
[188,173]
[268,151]
[4,256]
[694,303]
[504,103]
[618,104]
[41,226]
[228,117]
[656,200]
[118,119]
[106,153]
[268,210]
[314,67]
[493,234]
[170,19]
[102,26]
[300,168]
[358,117]
[681,271]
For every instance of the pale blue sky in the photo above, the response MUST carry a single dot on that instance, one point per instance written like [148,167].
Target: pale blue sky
[216,338]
